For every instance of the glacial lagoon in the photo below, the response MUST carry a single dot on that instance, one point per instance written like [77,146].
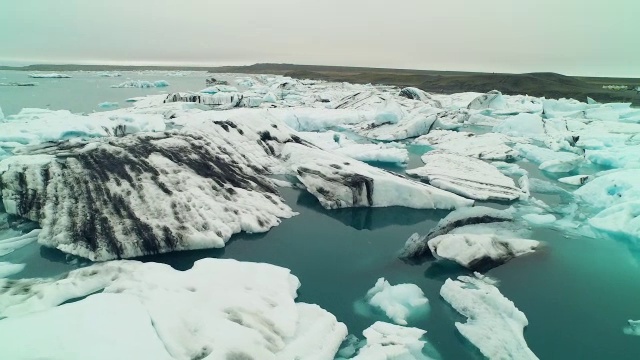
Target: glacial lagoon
[577,290]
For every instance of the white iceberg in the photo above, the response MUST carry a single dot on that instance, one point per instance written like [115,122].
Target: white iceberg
[487,146]
[136,317]
[386,341]
[9,245]
[494,324]
[633,328]
[465,176]
[339,182]
[398,302]
[491,100]
[611,189]
[539,219]
[142,84]
[622,220]
[49,76]
[479,252]
[219,88]
[549,160]
[417,246]
[8,269]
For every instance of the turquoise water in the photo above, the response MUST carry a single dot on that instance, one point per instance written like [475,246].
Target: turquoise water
[577,292]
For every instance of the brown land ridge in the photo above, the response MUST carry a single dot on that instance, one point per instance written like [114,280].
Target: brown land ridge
[550,85]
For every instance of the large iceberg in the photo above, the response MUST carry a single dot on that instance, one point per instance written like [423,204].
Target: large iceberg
[135,315]
[487,146]
[466,176]
[479,252]
[494,324]
[339,182]
[417,246]
[145,194]
[142,84]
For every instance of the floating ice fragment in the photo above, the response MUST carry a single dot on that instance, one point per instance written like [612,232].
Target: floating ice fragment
[398,302]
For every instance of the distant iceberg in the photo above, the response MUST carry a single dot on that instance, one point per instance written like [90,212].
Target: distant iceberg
[49,76]
[142,84]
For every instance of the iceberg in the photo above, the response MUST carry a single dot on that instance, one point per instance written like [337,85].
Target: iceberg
[575,180]
[491,100]
[611,188]
[479,252]
[549,160]
[420,95]
[616,157]
[135,317]
[398,302]
[386,341]
[220,100]
[8,269]
[9,245]
[622,220]
[539,219]
[108,105]
[1,114]
[417,246]
[49,76]
[494,324]
[465,176]
[36,126]
[339,182]
[145,194]
[486,147]
[219,88]
[142,84]
[633,328]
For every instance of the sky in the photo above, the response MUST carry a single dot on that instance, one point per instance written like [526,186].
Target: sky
[573,37]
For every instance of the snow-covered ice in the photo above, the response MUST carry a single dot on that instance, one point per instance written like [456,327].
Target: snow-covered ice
[386,341]
[398,302]
[549,160]
[8,269]
[417,246]
[136,317]
[339,181]
[494,324]
[49,76]
[466,176]
[11,244]
[142,84]
[487,146]
[479,252]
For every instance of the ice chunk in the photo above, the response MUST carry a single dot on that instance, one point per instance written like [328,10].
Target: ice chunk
[11,244]
[8,269]
[491,100]
[420,95]
[109,74]
[469,177]
[392,342]
[549,160]
[611,189]
[339,182]
[390,113]
[376,153]
[147,193]
[108,105]
[510,169]
[479,252]
[269,98]
[1,114]
[494,324]
[219,88]
[530,125]
[622,220]
[412,125]
[398,302]
[49,76]
[575,180]
[34,126]
[538,219]
[136,317]
[616,157]
[487,146]
[142,84]
[633,328]
[417,246]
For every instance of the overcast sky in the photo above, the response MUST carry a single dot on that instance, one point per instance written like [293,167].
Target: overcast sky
[574,37]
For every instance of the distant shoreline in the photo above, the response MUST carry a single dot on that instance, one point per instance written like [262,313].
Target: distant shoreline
[550,85]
